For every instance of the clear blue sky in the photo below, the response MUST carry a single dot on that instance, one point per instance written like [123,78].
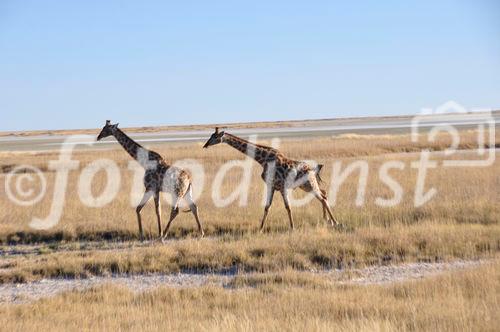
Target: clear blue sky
[74,64]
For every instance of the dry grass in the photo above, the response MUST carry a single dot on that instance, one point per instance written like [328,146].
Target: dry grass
[461,301]
[465,195]
[316,248]
[461,222]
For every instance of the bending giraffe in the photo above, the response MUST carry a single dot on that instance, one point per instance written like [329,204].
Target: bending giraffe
[159,177]
[280,173]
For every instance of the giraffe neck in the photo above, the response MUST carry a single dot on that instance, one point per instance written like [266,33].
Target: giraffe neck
[258,152]
[135,150]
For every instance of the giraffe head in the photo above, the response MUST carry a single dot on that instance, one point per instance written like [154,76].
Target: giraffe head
[107,130]
[216,138]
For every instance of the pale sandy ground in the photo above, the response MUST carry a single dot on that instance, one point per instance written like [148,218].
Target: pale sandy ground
[375,275]
[54,140]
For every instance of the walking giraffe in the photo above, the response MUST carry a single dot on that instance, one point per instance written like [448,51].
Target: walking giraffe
[280,173]
[159,177]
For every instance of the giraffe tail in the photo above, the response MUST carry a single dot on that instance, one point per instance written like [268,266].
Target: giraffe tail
[190,193]
[317,170]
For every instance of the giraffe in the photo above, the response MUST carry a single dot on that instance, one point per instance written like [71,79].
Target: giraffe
[279,172]
[158,177]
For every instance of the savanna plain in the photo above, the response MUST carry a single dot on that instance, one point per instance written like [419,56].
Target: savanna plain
[276,280]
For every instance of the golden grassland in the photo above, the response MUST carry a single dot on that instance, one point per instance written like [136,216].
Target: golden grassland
[461,301]
[466,195]
[318,248]
[461,222]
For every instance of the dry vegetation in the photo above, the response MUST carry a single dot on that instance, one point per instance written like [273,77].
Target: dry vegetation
[461,222]
[461,301]
[304,250]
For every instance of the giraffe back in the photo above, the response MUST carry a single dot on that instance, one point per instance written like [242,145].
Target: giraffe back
[168,179]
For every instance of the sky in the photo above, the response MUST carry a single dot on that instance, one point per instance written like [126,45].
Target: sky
[74,64]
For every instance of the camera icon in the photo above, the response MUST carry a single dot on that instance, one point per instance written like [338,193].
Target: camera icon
[446,118]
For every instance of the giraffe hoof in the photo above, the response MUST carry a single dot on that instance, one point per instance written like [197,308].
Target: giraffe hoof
[339,227]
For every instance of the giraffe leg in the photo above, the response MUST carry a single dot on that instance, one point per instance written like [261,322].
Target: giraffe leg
[325,214]
[333,221]
[194,210]
[269,200]
[284,194]
[158,211]
[173,213]
[324,201]
[145,199]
